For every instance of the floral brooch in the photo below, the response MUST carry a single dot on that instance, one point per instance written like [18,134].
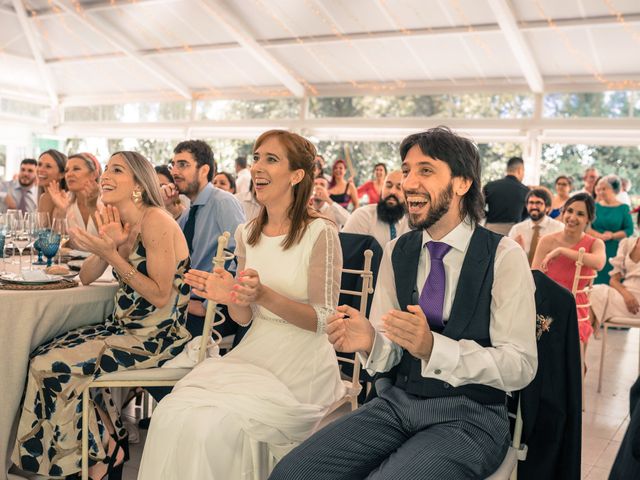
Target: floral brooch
[543,324]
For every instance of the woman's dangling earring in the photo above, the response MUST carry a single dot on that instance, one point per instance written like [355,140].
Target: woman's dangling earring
[137,196]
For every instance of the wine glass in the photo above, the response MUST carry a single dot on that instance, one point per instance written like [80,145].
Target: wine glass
[43,227]
[3,234]
[12,217]
[61,227]
[50,243]
[21,235]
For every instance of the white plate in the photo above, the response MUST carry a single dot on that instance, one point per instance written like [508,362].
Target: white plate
[14,278]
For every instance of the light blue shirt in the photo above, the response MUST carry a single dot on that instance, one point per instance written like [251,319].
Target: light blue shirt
[219,212]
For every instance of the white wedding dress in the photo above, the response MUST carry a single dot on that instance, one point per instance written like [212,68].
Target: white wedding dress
[234,417]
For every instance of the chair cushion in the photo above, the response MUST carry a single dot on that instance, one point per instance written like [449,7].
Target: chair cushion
[148,374]
[507,466]
[627,321]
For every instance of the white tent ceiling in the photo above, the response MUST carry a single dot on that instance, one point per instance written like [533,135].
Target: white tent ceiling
[101,51]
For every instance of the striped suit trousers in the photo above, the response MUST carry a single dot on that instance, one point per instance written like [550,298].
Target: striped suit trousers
[401,436]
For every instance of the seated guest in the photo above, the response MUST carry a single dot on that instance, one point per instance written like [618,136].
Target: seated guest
[612,222]
[322,203]
[243,175]
[528,232]
[232,417]
[149,258]
[342,191]
[385,220]
[563,186]
[51,167]
[557,253]
[225,181]
[22,193]
[212,212]
[451,352]
[179,201]
[80,204]
[250,204]
[621,298]
[373,188]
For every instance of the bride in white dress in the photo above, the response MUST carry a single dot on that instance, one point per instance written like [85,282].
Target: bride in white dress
[234,417]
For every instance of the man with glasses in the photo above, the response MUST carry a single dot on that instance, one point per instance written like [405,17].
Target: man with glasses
[212,212]
[529,232]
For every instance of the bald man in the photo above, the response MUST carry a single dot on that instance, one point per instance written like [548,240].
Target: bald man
[385,220]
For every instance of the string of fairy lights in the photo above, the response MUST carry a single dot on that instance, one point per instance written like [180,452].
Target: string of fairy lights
[152,33]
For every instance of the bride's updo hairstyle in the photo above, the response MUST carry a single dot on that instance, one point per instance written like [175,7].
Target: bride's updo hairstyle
[301,154]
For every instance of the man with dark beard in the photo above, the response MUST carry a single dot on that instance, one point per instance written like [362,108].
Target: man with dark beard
[529,232]
[452,326]
[385,220]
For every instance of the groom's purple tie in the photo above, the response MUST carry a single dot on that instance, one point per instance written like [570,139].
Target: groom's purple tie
[432,296]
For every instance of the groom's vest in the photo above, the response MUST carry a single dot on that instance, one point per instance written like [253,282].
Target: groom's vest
[469,317]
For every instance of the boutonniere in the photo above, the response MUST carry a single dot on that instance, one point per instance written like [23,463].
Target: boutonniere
[543,324]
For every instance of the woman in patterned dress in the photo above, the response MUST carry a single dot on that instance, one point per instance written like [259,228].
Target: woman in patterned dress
[149,257]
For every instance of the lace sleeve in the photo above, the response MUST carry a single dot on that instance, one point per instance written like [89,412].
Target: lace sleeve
[325,269]
[240,251]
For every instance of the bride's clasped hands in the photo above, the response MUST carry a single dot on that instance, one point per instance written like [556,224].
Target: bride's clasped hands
[221,287]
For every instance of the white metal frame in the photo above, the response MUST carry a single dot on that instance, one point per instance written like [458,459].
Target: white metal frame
[353,384]
[154,377]
[586,290]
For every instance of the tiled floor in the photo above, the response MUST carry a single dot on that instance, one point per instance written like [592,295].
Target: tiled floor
[606,415]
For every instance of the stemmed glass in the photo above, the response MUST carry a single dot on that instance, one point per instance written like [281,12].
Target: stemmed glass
[42,227]
[50,243]
[61,227]
[3,235]
[21,234]
[12,217]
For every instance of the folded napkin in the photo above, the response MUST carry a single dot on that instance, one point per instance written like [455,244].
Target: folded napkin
[189,355]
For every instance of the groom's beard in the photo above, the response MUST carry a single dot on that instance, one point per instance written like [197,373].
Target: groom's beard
[390,212]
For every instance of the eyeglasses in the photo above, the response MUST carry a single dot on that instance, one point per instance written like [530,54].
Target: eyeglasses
[179,165]
[535,203]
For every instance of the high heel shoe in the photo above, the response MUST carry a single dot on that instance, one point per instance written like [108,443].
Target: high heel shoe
[114,472]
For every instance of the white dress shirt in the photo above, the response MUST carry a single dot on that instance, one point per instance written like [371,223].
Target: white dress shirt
[511,362]
[243,180]
[364,220]
[335,212]
[525,228]
[13,188]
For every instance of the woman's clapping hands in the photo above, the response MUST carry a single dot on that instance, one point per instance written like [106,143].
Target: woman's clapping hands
[221,287]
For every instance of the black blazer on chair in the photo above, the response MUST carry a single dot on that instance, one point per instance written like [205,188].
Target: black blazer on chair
[552,402]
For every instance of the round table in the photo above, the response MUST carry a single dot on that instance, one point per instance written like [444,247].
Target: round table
[29,318]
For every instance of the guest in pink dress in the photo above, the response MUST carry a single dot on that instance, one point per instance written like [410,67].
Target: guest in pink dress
[557,253]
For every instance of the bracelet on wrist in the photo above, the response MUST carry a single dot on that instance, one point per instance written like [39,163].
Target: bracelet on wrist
[129,275]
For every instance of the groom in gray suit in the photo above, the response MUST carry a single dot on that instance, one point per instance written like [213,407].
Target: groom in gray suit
[452,330]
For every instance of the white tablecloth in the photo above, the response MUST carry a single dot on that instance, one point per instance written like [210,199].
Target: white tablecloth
[28,319]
